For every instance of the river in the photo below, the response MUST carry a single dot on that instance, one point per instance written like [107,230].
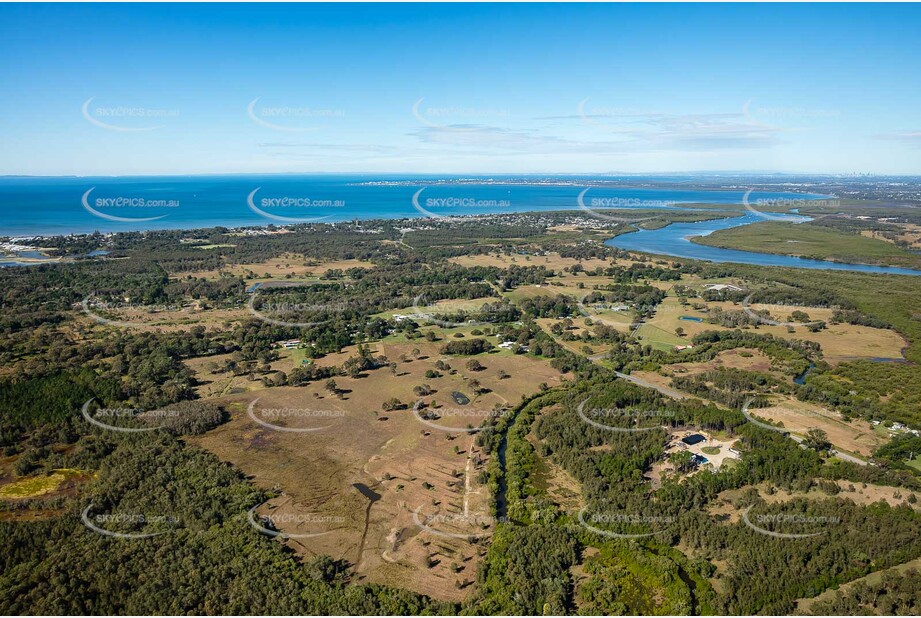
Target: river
[674,240]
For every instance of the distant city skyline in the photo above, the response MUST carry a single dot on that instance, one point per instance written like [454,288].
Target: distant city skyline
[450,89]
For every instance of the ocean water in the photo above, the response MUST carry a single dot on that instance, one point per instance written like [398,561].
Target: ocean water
[52,206]
[70,205]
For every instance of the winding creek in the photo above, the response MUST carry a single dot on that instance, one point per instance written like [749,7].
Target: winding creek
[675,240]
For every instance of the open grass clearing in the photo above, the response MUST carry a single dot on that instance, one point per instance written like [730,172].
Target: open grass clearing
[43,485]
[853,436]
[391,453]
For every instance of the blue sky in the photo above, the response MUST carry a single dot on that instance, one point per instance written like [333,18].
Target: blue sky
[160,89]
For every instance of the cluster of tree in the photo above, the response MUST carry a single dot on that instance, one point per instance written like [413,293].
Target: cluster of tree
[645,297]
[731,386]
[467,347]
[610,465]
[526,572]
[207,559]
[867,389]
[903,447]
[894,593]
[852,316]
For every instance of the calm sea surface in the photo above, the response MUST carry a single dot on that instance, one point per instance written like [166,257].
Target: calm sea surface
[50,206]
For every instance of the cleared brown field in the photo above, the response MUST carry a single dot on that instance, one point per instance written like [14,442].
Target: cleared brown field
[909,233]
[728,359]
[860,493]
[552,261]
[415,473]
[855,436]
[278,267]
[167,320]
[575,346]
[212,383]
[840,342]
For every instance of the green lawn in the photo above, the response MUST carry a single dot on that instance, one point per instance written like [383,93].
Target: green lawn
[659,338]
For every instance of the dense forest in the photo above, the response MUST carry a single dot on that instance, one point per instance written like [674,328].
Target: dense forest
[676,546]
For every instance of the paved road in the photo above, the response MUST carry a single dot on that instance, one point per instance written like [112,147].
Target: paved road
[860,462]
[668,392]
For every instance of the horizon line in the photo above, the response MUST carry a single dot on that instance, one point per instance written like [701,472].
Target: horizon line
[481,174]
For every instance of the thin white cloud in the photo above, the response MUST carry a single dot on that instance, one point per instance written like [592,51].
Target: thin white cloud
[912,138]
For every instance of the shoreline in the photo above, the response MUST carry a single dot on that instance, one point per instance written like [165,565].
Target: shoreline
[270,228]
